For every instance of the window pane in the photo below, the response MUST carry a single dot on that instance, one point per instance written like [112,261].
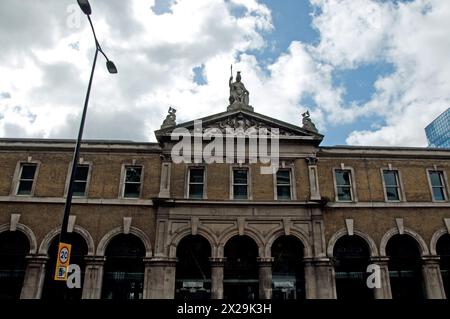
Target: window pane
[435,178]
[344,193]
[132,190]
[342,178]
[240,176]
[28,171]
[390,178]
[25,188]
[283,177]
[196,175]
[79,188]
[438,193]
[196,191]
[133,174]
[81,173]
[240,191]
[392,193]
[284,192]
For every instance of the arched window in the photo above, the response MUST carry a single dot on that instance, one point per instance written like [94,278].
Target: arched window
[58,289]
[14,246]
[241,272]
[405,267]
[124,268]
[193,272]
[443,250]
[288,277]
[351,258]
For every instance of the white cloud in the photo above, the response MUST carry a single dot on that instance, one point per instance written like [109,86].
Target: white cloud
[413,37]
[48,64]
[155,55]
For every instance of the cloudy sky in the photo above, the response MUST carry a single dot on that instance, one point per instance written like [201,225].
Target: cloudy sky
[371,72]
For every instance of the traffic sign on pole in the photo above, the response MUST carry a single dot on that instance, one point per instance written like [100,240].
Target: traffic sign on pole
[62,261]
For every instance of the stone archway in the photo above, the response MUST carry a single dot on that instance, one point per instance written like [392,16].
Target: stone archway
[241,272]
[405,267]
[14,247]
[351,256]
[193,270]
[57,290]
[288,274]
[123,276]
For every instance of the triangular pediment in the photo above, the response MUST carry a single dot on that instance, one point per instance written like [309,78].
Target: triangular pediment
[243,119]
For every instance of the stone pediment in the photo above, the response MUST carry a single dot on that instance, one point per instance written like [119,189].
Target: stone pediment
[243,120]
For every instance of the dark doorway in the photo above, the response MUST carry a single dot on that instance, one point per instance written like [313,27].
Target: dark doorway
[14,246]
[351,258]
[58,289]
[241,272]
[443,251]
[124,268]
[405,267]
[193,273]
[288,276]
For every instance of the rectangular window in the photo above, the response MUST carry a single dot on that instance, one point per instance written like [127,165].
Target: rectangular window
[80,181]
[391,184]
[196,182]
[26,179]
[343,185]
[132,186]
[437,185]
[240,183]
[284,184]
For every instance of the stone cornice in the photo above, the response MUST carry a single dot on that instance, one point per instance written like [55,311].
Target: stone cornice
[383,152]
[9,144]
[193,202]
[389,205]
[175,202]
[78,201]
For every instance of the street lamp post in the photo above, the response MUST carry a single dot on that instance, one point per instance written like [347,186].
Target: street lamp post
[86,8]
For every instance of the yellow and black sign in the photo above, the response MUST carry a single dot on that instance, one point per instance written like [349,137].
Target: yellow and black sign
[63,261]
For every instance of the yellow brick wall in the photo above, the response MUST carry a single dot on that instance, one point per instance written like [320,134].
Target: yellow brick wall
[96,219]
[369,181]
[105,172]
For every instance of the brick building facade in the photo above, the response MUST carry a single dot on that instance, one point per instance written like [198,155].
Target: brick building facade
[144,226]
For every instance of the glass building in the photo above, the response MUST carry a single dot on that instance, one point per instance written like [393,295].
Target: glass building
[438,131]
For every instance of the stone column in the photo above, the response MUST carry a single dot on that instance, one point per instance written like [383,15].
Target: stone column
[265,277]
[217,265]
[159,279]
[33,281]
[325,283]
[434,287]
[164,187]
[314,192]
[310,278]
[93,277]
[384,292]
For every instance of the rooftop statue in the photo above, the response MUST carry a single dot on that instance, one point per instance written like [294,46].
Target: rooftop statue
[239,95]
[307,123]
[170,118]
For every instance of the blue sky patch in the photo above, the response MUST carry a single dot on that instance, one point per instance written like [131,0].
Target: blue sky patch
[337,134]
[292,20]
[359,82]
[162,6]
[198,75]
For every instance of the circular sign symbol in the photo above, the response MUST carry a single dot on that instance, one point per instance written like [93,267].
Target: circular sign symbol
[64,255]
